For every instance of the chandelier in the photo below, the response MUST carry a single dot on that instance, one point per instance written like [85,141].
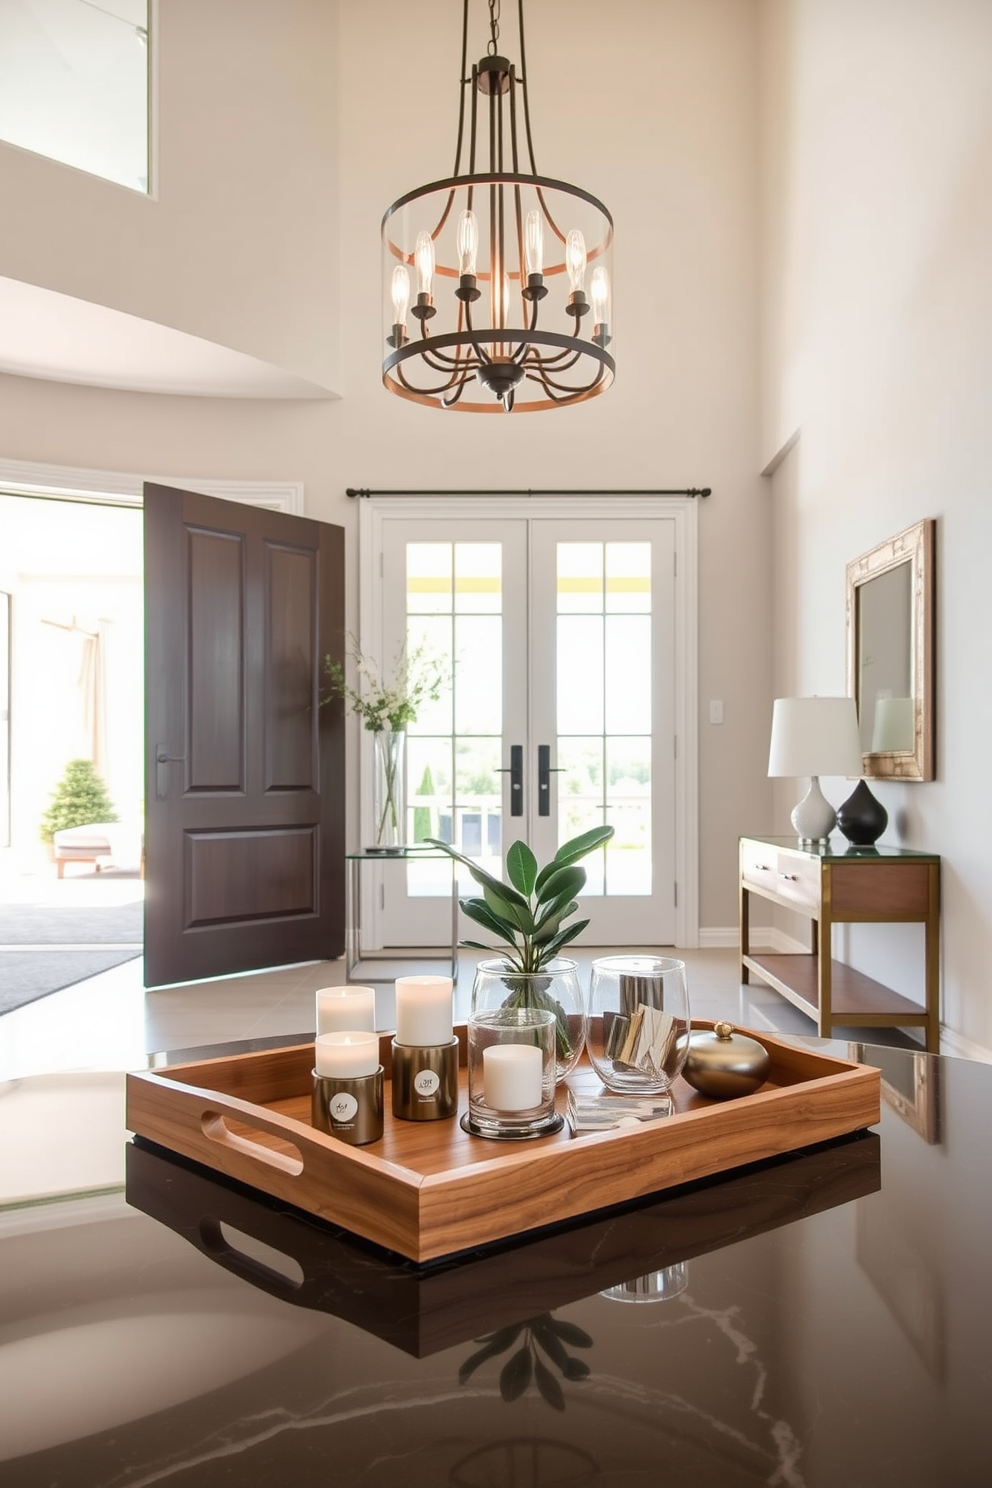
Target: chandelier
[496,280]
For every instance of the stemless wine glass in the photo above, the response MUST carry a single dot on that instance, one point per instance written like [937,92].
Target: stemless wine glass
[638,1028]
[556,988]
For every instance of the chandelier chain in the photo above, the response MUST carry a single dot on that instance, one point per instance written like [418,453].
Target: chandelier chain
[493,27]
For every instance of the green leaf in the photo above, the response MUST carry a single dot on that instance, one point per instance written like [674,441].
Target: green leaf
[576,1369]
[556,909]
[570,852]
[521,867]
[517,914]
[516,1374]
[479,911]
[571,1333]
[549,949]
[562,881]
[479,874]
[549,1387]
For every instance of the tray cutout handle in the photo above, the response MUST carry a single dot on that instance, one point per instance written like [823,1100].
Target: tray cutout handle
[252,1259]
[215,1127]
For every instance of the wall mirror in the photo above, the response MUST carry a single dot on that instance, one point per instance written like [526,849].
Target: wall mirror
[890,623]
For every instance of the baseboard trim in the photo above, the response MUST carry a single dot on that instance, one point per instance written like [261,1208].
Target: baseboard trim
[769,937]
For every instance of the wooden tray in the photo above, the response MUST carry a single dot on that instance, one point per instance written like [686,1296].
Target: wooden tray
[428,1189]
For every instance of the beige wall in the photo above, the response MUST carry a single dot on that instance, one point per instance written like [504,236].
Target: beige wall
[664,127]
[238,243]
[877,240]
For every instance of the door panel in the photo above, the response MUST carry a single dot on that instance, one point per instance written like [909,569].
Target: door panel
[245,772]
[562,638]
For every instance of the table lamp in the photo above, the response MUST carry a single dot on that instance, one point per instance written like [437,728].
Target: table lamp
[814,736]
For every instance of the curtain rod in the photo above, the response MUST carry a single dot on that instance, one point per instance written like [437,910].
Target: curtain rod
[363,492]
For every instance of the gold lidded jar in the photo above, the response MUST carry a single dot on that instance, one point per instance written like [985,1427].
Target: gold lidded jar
[723,1063]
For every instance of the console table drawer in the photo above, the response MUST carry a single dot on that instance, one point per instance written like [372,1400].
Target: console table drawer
[793,879]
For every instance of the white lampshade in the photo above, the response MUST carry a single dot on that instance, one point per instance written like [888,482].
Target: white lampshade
[895,724]
[815,736]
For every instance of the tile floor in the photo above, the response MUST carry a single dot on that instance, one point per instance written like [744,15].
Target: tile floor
[110,1022]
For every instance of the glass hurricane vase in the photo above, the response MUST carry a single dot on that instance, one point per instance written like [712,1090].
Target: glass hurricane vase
[388,789]
[555,988]
[638,1026]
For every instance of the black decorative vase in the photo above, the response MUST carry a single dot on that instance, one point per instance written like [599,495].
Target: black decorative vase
[862,818]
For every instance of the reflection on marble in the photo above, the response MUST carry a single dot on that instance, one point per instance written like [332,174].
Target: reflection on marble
[138,1348]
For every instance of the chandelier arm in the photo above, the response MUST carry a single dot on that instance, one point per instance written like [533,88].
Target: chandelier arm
[562,361]
[548,383]
[461,95]
[431,392]
[523,89]
[449,401]
[443,361]
[483,355]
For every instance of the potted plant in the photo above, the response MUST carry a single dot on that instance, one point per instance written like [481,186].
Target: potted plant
[528,914]
[385,708]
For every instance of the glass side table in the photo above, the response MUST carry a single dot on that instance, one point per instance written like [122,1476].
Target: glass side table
[355,953]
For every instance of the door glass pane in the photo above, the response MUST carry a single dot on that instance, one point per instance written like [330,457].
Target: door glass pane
[604,707]
[454,788]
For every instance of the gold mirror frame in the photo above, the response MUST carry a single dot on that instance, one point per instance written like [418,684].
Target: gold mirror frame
[915,547]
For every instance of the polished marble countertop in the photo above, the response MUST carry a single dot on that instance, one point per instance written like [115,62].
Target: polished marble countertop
[821,1319]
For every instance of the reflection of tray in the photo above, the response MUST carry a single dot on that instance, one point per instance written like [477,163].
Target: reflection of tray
[424,1311]
[429,1189]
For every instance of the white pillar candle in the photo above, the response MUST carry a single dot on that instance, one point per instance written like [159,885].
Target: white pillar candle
[424,1011]
[511,1076]
[346,1056]
[345,1009]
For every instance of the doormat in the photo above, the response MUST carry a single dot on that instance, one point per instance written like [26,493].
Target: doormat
[27,975]
[45,947]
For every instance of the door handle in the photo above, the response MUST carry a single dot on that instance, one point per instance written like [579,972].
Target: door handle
[163,758]
[516,774]
[545,770]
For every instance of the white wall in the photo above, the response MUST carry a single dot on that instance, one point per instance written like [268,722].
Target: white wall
[238,242]
[656,112]
[877,240]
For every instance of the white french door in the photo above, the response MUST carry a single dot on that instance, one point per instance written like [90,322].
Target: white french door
[563,637]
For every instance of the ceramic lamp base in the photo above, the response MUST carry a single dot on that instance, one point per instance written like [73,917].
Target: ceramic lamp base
[814,818]
[862,818]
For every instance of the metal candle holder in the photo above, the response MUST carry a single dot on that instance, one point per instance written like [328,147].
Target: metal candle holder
[349,1107]
[425,1081]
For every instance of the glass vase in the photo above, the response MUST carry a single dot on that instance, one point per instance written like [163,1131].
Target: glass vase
[638,1027]
[556,988]
[389,789]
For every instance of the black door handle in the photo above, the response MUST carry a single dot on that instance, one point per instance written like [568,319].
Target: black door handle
[516,774]
[545,770]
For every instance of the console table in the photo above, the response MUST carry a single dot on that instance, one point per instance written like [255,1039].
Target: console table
[890,885]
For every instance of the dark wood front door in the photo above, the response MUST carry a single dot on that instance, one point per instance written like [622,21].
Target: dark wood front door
[244,782]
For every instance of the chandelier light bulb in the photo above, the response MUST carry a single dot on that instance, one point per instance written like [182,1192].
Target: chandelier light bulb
[599,292]
[400,290]
[575,260]
[468,242]
[534,243]
[424,259]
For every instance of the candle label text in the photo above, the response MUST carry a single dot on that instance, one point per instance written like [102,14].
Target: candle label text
[343,1106]
[426,1083]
